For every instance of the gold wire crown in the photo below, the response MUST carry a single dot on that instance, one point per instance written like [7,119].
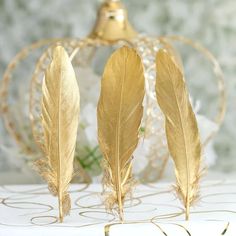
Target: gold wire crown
[111,27]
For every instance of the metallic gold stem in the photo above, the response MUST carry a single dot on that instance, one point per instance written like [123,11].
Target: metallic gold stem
[187,210]
[121,212]
[60,207]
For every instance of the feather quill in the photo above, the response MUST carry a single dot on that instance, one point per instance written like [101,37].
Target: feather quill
[119,114]
[181,127]
[60,114]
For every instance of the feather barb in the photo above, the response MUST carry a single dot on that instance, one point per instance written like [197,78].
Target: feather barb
[181,127]
[119,116]
[60,114]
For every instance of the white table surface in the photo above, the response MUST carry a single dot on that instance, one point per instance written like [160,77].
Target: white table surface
[27,210]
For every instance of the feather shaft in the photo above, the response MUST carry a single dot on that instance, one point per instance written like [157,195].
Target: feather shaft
[119,114]
[181,127]
[60,114]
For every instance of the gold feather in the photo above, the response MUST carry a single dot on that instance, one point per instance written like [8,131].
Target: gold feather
[181,127]
[60,114]
[119,116]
